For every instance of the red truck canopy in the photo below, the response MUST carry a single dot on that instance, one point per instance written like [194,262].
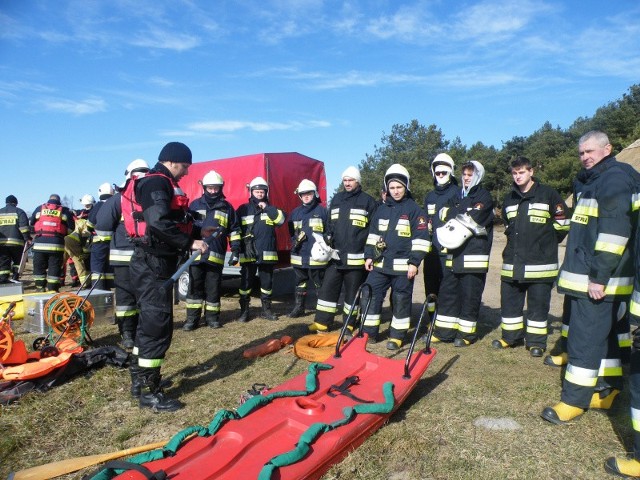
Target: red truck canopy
[283,172]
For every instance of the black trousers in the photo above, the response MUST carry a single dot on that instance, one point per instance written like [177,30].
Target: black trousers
[329,293]
[10,257]
[155,324]
[459,301]
[303,275]
[47,269]
[401,299]
[594,359]
[433,271]
[205,281]
[533,328]
[248,275]
[126,306]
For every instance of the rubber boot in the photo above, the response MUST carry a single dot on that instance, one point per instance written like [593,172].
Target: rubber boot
[136,381]
[556,360]
[212,319]
[318,328]
[623,467]
[128,328]
[561,413]
[298,309]
[266,310]
[244,308]
[603,400]
[155,398]
[193,319]
[127,340]
[16,276]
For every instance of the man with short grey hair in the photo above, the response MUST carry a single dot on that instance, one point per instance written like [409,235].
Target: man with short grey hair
[597,278]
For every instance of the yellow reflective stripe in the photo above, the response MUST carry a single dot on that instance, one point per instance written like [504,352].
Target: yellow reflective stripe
[610,368]
[512,323]
[536,328]
[150,362]
[444,321]
[419,245]
[372,320]
[324,306]
[467,326]
[270,255]
[579,283]
[581,376]
[611,243]
[401,264]
[635,419]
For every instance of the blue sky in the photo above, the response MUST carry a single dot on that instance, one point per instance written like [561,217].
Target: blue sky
[87,86]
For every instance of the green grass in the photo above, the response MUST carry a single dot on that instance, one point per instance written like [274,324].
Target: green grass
[433,436]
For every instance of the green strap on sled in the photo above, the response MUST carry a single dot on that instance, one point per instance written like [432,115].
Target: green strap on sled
[314,431]
[220,418]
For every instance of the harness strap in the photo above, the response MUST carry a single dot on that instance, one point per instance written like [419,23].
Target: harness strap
[123,465]
[343,389]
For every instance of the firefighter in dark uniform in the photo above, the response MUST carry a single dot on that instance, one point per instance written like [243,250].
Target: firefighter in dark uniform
[445,188]
[397,242]
[350,212]
[630,467]
[597,276]
[109,219]
[306,222]
[154,211]
[50,223]
[101,271]
[536,220]
[258,222]
[14,235]
[217,218]
[467,236]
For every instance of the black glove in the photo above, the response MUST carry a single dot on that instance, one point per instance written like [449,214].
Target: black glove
[233,259]
[378,250]
[636,338]
[298,240]
[328,239]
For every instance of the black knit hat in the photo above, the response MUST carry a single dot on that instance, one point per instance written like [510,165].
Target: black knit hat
[175,152]
[11,199]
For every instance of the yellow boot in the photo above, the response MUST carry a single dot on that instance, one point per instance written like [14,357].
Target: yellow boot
[318,328]
[603,403]
[556,360]
[625,468]
[561,413]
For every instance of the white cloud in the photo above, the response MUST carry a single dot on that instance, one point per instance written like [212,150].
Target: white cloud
[492,21]
[165,40]
[84,107]
[229,126]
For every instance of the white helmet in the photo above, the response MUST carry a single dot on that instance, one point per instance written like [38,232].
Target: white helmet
[138,165]
[212,178]
[457,230]
[306,186]
[442,159]
[453,234]
[399,173]
[258,183]
[87,200]
[105,189]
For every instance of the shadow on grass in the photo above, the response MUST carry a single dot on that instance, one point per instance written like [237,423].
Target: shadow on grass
[222,364]
[423,388]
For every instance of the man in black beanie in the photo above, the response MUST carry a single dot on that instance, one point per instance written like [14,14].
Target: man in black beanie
[154,209]
[14,234]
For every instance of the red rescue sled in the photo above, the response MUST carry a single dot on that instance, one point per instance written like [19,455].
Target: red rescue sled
[299,429]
